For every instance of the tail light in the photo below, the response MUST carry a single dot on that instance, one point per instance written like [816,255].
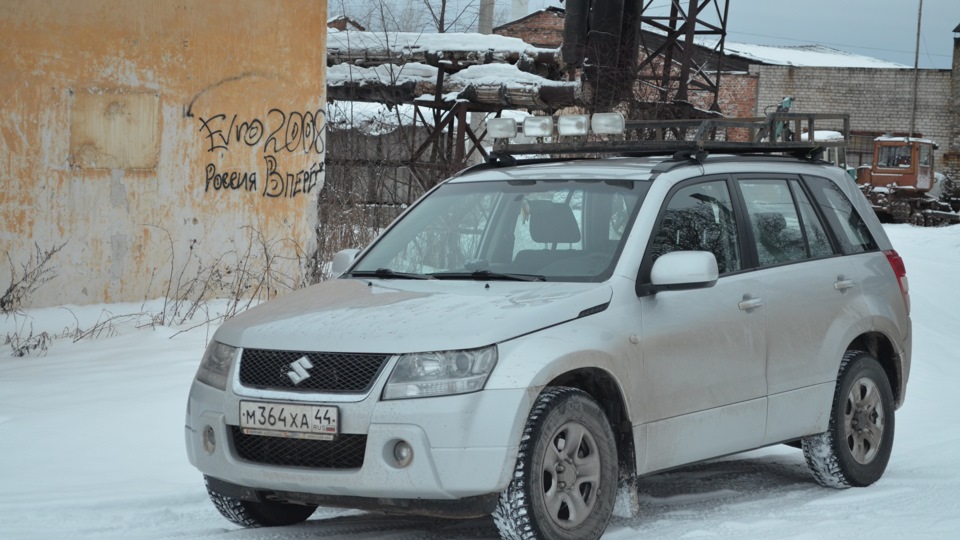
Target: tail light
[896,262]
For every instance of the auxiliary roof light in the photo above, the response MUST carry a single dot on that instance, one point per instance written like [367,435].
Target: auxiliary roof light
[567,125]
[573,124]
[608,123]
[538,126]
[502,128]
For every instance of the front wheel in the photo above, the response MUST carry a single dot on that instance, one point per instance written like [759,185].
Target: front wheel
[855,449]
[565,481]
[253,514]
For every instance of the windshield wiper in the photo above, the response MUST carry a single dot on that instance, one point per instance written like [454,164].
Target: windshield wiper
[387,273]
[487,274]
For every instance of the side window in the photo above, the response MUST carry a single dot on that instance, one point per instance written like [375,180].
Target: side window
[842,216]
[894,156]
[818,243]
[926,152]
[700,218]
[777,230]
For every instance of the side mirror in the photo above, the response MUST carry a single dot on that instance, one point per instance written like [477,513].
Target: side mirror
[682,270]
[342,261]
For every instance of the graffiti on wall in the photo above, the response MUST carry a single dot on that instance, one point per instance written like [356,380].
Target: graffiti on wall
[279,132]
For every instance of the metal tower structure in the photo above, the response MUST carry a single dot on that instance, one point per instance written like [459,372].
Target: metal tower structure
[604,39]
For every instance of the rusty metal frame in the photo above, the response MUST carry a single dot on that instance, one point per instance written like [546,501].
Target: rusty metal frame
[681,27]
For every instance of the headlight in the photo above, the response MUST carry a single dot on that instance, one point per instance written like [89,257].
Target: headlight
[440,373]
[216,365]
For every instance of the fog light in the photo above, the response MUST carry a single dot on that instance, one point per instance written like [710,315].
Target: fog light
[403,453]
[209,440]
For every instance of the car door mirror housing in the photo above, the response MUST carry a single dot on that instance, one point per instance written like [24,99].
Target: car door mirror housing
[342,261]
[683,270]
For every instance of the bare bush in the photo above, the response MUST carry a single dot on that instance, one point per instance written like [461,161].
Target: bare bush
[22,345]
[32,275]
[417,15]
[259,271]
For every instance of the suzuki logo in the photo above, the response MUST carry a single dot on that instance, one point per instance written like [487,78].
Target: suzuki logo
[299,367]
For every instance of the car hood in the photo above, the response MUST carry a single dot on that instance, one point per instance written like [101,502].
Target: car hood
[393,316]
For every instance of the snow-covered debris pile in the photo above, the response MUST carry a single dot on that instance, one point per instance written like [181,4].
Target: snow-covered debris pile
[426,75]
[453,50]
[400,67]
[370,118]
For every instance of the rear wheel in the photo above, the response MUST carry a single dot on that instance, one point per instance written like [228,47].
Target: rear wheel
[252,514]
[854,451]
[565,481]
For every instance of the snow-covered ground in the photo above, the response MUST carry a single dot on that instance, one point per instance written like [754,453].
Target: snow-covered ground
[91,445]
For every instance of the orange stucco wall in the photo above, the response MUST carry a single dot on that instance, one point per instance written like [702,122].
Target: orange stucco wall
[155,135]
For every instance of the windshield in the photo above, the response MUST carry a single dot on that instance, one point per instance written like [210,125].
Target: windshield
[550,230]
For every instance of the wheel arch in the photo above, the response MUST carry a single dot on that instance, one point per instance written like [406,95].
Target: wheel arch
[883,349]
[602,386]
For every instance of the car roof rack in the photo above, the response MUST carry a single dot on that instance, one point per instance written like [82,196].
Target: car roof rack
[692,139]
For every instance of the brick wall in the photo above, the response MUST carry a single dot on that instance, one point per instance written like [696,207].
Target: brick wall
[877,100]
[951,156]
[736,99]
[541,29]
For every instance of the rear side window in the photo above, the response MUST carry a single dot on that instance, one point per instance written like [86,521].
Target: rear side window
[843,218]
[785,227]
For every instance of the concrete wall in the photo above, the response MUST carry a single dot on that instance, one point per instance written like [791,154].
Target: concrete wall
[878,100]
[149,135]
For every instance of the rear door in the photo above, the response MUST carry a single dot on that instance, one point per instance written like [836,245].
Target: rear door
[810,290]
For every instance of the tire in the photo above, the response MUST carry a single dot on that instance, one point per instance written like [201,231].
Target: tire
[561,491]
[855,449]
[252,514]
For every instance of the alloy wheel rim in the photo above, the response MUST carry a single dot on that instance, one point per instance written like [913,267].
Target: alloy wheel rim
[863,421]
[570,475]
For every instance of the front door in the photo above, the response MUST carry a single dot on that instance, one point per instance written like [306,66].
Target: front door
[702,386]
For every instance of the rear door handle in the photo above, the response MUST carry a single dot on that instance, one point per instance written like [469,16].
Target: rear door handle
[843,284]
[750,303]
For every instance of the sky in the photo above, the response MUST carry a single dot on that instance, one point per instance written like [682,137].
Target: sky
[885,29]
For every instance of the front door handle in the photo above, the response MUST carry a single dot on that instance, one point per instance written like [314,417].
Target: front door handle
[750,303]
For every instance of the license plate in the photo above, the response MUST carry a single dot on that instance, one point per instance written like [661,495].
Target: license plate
[320,422]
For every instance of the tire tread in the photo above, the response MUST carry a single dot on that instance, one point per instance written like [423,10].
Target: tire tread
[822,452]
[513,515]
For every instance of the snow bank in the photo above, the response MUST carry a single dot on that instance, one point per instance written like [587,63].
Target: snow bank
[91,440]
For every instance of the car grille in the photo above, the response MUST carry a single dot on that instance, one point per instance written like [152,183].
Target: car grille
[331,372]
[344,452]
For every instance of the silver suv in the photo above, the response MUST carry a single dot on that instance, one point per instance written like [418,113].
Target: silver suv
[528,334]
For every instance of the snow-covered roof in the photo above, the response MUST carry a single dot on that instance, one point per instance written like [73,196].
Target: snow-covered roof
[823,135]
[802,56]
[556,11]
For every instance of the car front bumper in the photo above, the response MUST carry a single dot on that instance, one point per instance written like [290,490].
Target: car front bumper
[457,451]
